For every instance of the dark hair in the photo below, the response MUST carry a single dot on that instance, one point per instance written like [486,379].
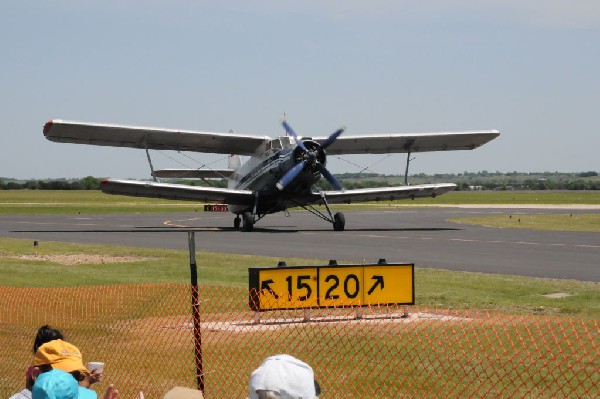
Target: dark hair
[45,334]
[77,374]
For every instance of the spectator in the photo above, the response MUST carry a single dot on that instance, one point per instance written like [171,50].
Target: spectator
[45,334]
[283,377]
[56,384]
[25,393]
[61,355]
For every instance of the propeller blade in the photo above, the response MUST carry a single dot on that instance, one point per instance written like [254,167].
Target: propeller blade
[332,138]
[290,175]
[330,178]
[291,132]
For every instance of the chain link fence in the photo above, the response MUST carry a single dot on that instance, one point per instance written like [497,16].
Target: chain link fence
[145,335]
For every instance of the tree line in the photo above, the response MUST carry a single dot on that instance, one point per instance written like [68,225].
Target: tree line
[87,183]
[465,181]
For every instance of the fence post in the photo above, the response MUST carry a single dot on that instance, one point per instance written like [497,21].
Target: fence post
[196,311]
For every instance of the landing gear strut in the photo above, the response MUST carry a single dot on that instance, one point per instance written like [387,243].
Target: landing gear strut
[338,220]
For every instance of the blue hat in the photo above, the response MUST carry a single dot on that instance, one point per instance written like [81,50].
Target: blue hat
[85,393]
[57,384]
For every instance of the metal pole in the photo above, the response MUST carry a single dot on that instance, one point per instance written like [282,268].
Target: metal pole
[196,311]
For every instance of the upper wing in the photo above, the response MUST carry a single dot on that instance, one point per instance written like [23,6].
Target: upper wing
[195,173]
[177,192]
[409,142]
[385,193]
[151,138]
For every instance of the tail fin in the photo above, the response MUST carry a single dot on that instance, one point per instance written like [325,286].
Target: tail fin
[234,162]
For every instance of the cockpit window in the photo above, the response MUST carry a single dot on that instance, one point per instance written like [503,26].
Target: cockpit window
[286,141]
[276,144]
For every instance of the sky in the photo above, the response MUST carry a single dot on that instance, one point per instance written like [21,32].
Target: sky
[530,69]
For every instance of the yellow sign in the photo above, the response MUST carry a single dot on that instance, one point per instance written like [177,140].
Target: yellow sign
[302,287]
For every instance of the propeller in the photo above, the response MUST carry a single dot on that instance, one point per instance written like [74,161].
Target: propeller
[309,157]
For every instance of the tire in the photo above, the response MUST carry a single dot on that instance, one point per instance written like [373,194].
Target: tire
[248,221]
[236,222]
[339,222]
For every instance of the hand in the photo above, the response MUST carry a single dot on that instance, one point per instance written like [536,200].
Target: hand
[111,392]
[95,376]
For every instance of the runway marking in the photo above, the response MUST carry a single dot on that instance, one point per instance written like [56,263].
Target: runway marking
[372,236]
[171,223]
[75,224]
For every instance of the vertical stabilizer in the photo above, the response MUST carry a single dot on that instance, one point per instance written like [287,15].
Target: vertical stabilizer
[234,162]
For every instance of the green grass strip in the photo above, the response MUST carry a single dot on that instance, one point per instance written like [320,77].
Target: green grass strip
[45,265]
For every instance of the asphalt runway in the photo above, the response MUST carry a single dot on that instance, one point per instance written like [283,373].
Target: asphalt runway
[420,236]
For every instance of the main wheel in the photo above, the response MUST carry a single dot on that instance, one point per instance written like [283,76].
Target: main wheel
[236,222]
[339,221]
[248,219]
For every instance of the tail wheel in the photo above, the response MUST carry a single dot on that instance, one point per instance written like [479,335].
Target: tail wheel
[339,221]
[248,220]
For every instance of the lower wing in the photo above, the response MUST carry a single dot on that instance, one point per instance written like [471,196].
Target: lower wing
[247,197]
[385,193]
[177,192]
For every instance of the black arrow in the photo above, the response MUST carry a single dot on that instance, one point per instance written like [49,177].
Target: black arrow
[266,285]
[378,281]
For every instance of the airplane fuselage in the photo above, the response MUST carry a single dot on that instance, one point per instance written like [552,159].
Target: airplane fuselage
[264,169]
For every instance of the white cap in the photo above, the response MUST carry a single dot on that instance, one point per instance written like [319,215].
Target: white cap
[289,377]
[183,393]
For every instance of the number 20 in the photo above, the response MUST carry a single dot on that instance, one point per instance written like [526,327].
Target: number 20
[336,283]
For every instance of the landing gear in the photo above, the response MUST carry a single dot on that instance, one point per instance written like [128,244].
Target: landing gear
[236,222]
[248,219]
[339,222]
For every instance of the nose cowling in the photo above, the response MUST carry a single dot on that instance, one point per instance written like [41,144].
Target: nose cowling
[309,154]
[313,154]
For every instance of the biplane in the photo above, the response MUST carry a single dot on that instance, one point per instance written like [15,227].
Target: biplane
[280,172]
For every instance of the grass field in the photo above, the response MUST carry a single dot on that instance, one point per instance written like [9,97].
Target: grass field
[50,265]
[563,222]
[85,202]
[515,197]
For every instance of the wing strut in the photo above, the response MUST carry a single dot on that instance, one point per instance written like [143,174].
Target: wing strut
[408,159]
[150,161]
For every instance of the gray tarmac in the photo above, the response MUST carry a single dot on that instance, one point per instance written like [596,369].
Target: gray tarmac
[421,236]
